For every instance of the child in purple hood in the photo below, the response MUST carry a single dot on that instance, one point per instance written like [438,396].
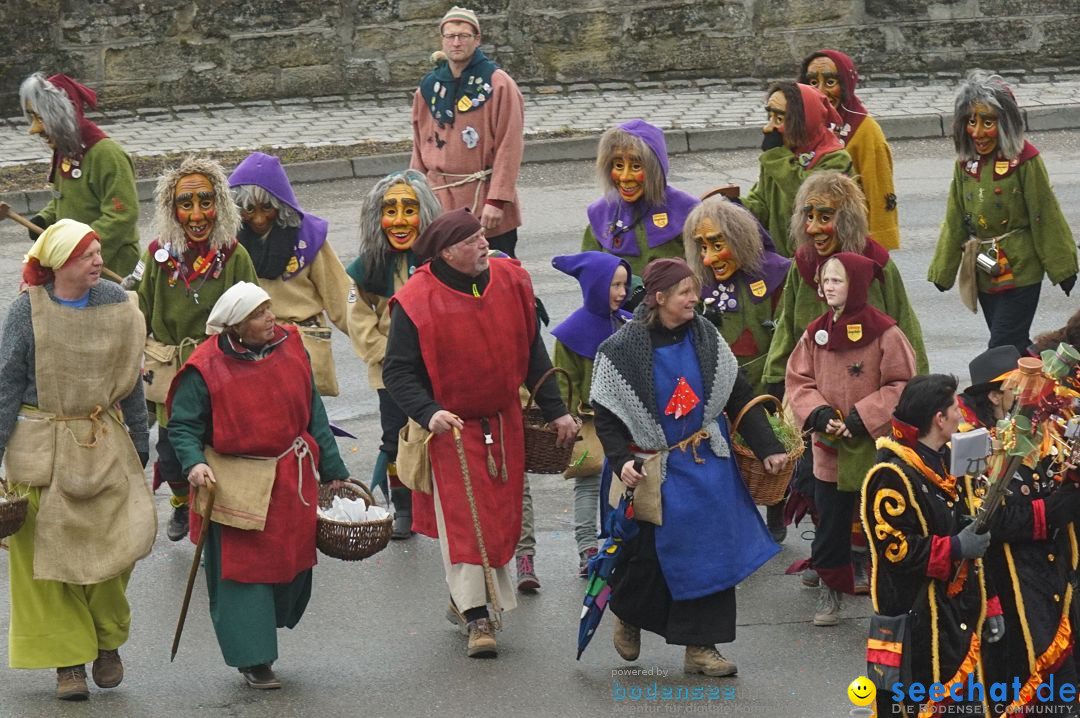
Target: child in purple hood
[604,279]
[640,217]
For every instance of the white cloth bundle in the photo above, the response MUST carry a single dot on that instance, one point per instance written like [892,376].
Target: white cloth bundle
[352,511]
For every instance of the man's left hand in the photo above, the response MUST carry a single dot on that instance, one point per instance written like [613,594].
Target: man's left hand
[567,428]
[491,216]
[775,462]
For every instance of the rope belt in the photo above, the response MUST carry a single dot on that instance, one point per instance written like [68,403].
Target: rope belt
[301,449]
[477,177]
[96,422]
[692,442]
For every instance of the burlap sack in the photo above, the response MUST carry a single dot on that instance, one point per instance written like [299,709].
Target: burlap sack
[588,456]
[317,342]
[161,363]
[413,460]
[243,488]
[967,283]
[648,506]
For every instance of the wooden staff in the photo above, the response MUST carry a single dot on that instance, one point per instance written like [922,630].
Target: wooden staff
[194,569]
[8,212]
[489,580]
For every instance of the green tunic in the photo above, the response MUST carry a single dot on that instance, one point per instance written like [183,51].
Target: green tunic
[772,198]
[1021,204]
[172,314]
[580,370]
[753,320]
[801,305]
[673,248]
[105,198]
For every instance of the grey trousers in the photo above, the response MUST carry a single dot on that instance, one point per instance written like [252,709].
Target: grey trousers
[586,511]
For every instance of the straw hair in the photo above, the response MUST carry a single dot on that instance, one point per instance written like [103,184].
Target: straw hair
[168,229]
[374,248]
[850,221]
[738,228]
[616,140]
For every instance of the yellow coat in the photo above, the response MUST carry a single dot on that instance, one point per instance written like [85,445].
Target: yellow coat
[872,158]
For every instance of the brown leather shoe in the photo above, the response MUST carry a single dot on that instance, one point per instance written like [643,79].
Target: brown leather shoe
[707,660]
[71,683]
[108,669]
[260,677]
[482,639]
[627,640]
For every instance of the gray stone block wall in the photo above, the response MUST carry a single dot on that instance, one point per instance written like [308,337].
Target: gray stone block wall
[172,52]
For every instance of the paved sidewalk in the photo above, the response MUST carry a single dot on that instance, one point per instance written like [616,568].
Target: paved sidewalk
[912,111]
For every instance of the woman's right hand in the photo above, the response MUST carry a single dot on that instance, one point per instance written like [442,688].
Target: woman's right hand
[630,476]
[201,475]
[442,421]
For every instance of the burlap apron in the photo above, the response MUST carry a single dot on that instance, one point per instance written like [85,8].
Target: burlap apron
[96,516]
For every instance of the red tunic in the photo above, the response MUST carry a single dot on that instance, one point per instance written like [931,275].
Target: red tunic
[476,352]
[243,395]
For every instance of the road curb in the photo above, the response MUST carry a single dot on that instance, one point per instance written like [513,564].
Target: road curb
[583,147]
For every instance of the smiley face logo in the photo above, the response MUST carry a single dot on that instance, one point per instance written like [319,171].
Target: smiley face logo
[861,691]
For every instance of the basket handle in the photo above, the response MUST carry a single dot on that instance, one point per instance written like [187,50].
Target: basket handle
[750,405]
[543,378]
[368,496]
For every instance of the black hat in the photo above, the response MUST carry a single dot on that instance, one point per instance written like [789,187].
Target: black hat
[990,365]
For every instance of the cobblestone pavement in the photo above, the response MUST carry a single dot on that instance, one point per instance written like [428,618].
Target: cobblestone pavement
[342,120]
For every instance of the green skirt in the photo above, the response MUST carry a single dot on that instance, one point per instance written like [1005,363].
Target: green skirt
[55,624]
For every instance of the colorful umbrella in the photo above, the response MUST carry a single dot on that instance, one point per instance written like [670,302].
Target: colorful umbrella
[621,528]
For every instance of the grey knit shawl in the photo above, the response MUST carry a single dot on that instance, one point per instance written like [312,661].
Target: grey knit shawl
[622,382]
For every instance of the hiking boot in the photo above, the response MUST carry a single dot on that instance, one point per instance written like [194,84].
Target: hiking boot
[860,561]
[482,639]
[810,579]
[108,669]
[527,580]
[71,683]
[827,612]
[457,618]
[707,660]
[627,640]
[402,500]
[774,521]
[178,523]
[583,566]
[260,677]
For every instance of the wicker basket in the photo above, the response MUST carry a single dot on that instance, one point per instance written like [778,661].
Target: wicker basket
[766,489]
[12,511]
[349,541]
[542,456]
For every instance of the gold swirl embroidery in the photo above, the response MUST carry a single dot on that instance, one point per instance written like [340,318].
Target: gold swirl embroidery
[896,506]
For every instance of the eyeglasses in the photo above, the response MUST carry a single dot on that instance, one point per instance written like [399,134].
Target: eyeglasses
[458,37]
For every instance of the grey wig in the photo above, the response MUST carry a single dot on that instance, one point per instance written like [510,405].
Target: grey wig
[738,228]
[615,140]
[373,245]
[249,195]
[169,230]
[56,111]
[991,90]
[850,222]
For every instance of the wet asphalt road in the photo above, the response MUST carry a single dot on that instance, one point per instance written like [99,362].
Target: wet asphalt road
[374,641]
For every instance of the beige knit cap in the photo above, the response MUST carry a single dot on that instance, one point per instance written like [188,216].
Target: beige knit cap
[460,14]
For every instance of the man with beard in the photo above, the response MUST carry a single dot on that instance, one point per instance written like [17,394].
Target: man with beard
[93,179]
[180,276]
[468,120]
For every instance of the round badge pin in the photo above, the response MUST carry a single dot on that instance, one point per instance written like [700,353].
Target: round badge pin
[821,337]
[76,173]
[161,255]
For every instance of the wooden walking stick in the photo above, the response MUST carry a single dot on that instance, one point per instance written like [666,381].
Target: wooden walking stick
[194,569]
[8,212]
[489,582]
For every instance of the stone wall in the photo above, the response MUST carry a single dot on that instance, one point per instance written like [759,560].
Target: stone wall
[140,53]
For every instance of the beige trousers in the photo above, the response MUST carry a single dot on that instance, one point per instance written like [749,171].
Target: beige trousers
[466,580]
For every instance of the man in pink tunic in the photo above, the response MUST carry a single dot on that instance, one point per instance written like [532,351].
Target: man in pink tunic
[468,120]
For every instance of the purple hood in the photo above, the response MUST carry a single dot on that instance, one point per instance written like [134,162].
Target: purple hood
[606,212]
[266,171]
[586,328]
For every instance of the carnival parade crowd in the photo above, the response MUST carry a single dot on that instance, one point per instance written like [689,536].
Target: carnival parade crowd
[692,310]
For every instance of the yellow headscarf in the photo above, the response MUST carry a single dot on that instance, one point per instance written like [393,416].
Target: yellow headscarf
[54,247]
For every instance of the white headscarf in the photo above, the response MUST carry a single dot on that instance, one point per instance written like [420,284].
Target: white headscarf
[234,306]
